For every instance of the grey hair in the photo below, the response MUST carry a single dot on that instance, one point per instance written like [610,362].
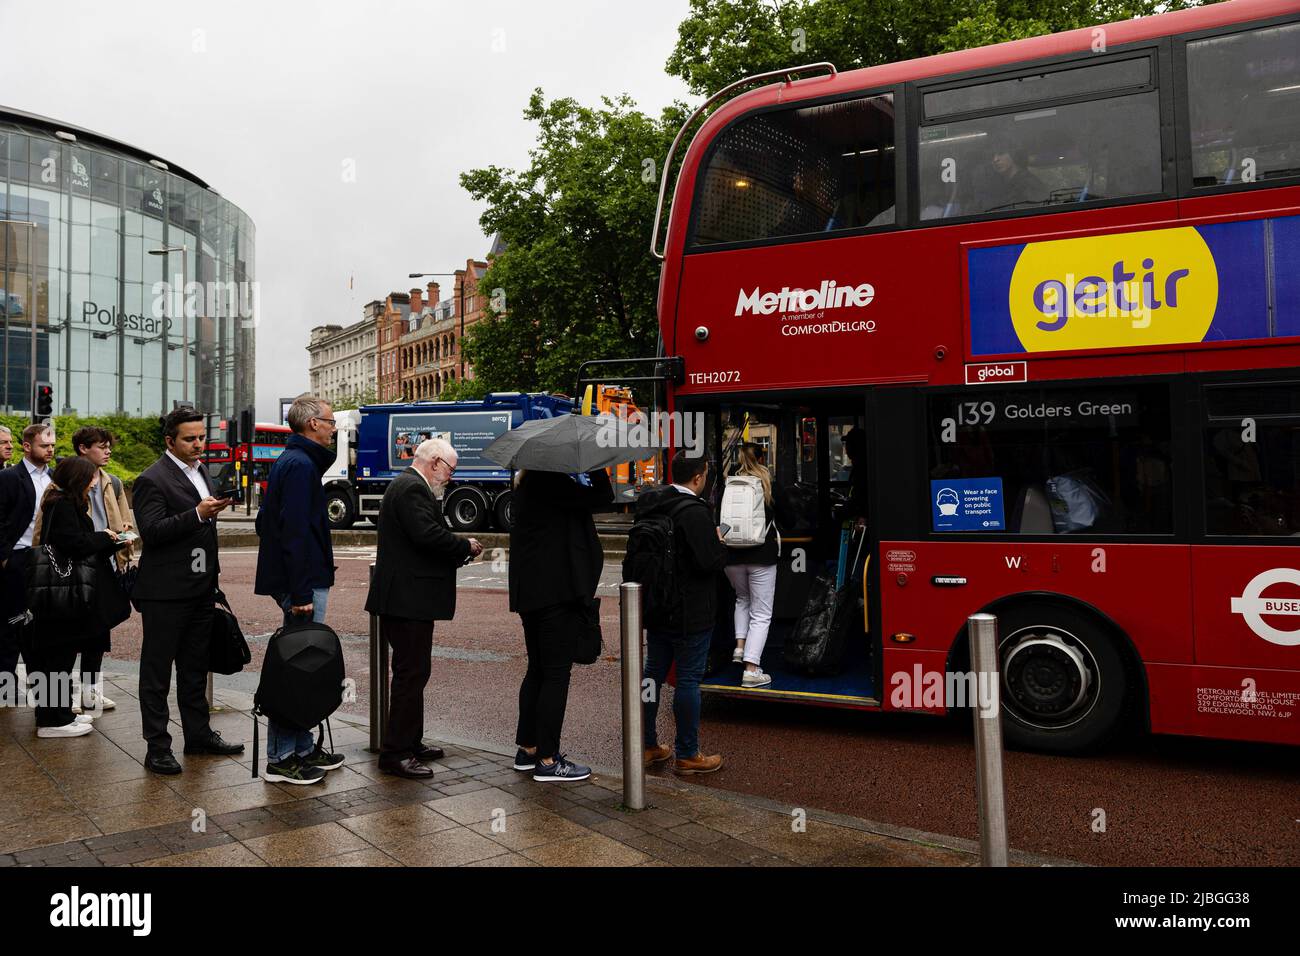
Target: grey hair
[4,430]
[302,411]
[432,448]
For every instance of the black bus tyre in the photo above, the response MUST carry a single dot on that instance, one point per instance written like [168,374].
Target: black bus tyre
[466,508]
[1065,686]
[503,510]
[339,510]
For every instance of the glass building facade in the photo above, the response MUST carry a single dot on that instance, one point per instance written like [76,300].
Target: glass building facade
[115,331]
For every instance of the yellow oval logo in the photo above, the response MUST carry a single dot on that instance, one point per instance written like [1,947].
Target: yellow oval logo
[1159,287]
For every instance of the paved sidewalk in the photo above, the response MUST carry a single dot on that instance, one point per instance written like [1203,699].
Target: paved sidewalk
[88,801]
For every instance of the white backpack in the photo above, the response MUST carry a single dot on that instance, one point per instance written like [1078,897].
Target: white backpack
[743,511]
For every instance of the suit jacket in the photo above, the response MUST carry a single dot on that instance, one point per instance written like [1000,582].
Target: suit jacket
[555,553]
[173,536]
[17,505]
[415,568]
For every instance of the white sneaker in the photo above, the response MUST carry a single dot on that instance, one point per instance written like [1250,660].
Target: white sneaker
[755,678]
[92,699]
[84,718]
[738,654]
[74,729]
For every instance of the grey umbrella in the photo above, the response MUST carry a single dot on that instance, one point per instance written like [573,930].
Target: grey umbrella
[569,443]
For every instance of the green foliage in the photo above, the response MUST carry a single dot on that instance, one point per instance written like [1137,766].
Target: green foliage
[576,274]
[138,442]
[463,390]
[721,41]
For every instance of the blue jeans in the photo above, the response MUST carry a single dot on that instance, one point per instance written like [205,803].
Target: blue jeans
[283,741]
[691,652]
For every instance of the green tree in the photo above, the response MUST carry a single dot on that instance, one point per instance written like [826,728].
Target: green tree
[575,278]
[138,442]
[721,41]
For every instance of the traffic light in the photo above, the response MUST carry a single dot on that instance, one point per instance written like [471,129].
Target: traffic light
[43,402]
[246,425]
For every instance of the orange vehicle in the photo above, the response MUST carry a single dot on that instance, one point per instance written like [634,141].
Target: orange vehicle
[627,478]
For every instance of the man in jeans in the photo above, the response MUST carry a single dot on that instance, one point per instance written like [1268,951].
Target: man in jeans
[684,633]
[295,565]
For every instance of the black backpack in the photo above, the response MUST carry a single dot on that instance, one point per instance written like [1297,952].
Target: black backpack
[302,679]
[651,561]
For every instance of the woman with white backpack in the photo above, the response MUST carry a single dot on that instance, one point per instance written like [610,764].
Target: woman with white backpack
[749,529]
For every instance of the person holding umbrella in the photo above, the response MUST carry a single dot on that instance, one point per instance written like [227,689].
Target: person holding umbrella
[555,565]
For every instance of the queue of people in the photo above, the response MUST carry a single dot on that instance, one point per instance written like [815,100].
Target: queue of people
[77,511]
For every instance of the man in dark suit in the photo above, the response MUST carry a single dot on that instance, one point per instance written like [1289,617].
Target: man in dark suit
[415,585]
[177,516]
[6,446]
[21,488]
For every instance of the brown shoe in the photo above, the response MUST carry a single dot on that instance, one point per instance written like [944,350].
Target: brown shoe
[698,764]
[659,754]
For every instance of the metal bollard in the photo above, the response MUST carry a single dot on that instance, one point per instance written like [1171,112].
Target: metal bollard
[378,681]
[629,606]
[983,631]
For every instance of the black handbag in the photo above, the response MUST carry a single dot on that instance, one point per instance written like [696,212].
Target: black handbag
[589,642]
[228,652]
[60,592]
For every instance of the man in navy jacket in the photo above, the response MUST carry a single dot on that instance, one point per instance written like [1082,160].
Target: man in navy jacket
[295,565]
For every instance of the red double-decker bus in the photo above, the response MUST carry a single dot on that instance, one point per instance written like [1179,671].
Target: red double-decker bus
[255,457]
[1030,316]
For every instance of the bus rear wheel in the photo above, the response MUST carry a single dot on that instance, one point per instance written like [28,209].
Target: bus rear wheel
[1064,683]
[466,508]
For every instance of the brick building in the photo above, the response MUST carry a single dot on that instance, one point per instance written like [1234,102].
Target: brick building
[392,318]
[431,357]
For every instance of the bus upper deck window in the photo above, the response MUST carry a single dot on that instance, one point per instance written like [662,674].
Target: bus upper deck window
[1243,93]
[799,171]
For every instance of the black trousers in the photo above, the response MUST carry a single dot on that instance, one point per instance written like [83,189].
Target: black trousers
[412,644]
[175,632]
[52,669]
[549,635]
[13,601]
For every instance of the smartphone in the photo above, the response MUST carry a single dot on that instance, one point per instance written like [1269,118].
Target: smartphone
[128,536]
[233,492]
[724,528]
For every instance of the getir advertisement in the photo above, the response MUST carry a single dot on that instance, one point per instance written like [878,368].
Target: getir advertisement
[1227,282]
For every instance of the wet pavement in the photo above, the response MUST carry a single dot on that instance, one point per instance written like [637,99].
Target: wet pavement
[89,801]
[1146,801]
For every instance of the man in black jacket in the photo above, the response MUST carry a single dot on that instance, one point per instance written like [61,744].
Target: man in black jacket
[684,633]
[174,592]
[415,585]
[21,488]
[295,565]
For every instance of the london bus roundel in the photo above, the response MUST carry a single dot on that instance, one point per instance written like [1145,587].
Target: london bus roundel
[1252,605]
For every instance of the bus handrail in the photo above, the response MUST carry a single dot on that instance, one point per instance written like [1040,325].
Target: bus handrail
[789,73]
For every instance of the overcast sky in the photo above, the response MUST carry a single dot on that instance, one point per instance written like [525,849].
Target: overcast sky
[267,99]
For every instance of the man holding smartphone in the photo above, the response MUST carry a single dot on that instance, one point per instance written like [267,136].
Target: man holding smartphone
[175,590]
[295,565]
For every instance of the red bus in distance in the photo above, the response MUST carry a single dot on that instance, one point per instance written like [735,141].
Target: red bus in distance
[255,457]
[1053,288]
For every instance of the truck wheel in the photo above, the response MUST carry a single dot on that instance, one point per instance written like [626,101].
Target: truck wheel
[467,509]
[339,510]
[503,510]
[1064,683]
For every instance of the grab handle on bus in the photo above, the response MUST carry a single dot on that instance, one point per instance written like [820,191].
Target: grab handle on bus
[789,73]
